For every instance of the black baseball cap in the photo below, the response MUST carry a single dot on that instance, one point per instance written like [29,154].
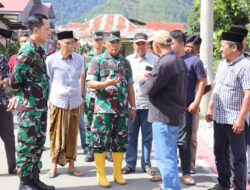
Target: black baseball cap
[140,37]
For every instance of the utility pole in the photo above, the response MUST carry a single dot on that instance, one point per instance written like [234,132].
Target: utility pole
[206,50]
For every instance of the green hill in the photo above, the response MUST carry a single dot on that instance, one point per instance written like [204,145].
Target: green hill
[69,10]
[143,10]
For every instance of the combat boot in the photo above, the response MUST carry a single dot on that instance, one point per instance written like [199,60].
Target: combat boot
[26,184]
[38,184]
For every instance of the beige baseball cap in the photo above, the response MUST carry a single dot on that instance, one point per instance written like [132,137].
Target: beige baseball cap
[162,37]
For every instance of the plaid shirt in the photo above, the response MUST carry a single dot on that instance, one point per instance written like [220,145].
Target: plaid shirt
[231,80]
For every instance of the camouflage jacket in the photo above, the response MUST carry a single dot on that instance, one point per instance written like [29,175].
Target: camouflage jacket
[112,99]
[29,81]
[90,93]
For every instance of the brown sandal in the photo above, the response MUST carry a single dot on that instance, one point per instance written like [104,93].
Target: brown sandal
[127,170]
[156,177]
[188,180]
[149,171]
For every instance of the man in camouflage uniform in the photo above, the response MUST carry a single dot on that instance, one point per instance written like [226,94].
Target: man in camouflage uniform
[111,76]
[97,40]
[31,86]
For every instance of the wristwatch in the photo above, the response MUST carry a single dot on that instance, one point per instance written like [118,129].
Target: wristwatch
[133,108]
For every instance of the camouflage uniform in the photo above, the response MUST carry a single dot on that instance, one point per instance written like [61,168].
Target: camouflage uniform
[30,85]
[109,127]
[89,103]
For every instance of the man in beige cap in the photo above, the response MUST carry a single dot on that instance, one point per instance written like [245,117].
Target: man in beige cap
[166,89]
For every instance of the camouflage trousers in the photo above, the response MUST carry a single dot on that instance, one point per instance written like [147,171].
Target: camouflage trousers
[31,138]
[109,131]
[89,106]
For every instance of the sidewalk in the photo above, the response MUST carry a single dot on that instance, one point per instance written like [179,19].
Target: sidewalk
[205,176]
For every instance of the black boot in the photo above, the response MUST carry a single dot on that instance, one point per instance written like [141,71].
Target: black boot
[90,156]
[109,156]
[38,184]
[26,184]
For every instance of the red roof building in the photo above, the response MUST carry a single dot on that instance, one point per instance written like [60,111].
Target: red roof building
[127,27]
[15,13]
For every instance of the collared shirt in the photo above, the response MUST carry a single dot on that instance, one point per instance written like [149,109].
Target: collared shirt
[112,99]
[64,80]
[29,81]
[139,69]
[230,81]
[4,75]
[167,89]
[12,61]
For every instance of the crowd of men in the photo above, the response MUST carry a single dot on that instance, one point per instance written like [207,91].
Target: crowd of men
[109,98]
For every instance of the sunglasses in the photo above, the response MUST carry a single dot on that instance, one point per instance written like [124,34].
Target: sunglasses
[113,33]
[99,33]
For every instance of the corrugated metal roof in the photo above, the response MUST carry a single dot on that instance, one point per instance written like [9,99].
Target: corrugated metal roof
[128,29]
[169,26]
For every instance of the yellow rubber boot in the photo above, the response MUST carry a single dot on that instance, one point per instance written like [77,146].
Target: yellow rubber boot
[117,166]
[100,169]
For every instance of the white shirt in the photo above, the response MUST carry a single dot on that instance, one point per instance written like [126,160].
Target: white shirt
[139,69]
[64,80]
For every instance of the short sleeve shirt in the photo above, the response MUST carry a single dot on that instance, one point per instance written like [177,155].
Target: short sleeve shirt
[196,72]
[112,99]
[230,81]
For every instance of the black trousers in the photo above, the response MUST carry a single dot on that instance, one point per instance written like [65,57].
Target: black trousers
[223,139]
[7,136]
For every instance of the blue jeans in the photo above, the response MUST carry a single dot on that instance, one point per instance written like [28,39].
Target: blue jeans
[223,138]
[82,131]
[184,143]
[133,133]
[165,143]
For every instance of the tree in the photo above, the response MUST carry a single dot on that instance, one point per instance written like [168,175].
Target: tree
[226,14]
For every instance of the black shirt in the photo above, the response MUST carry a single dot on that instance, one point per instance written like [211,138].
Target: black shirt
[167,89]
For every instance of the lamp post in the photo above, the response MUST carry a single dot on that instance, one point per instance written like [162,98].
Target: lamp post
[206,50]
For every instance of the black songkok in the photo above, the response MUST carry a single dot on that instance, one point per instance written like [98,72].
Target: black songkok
[232,37]
[65,35]
[239,29]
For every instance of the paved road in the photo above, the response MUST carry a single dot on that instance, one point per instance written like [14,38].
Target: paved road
[205,176]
